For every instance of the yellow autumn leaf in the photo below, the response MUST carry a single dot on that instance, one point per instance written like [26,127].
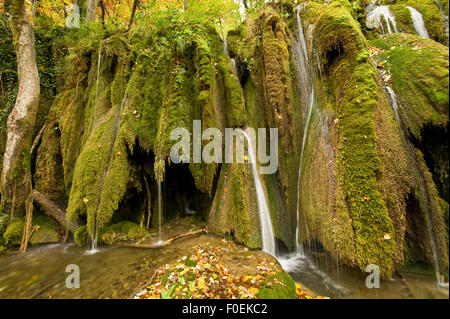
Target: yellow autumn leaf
[201,282]
[253,290]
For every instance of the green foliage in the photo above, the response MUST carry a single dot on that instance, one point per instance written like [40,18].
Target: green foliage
[188,262]
[4,219]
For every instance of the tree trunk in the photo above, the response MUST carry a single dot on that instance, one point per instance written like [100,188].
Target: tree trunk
[133,12]
[102,7]
[91,10]
[16,173]
[52,210]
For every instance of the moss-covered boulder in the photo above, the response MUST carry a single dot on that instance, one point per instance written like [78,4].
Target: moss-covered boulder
[278,286]
[420,79]
[47,231]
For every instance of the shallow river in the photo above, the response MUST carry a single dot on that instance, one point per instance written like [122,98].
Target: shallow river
[119,272]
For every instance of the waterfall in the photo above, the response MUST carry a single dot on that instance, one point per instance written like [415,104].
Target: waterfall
[93,249]
[429,227]
[96,85]
[375,16]
[305,134]
[394,103]
[418,23]
[159,209]
[232,60]
[308,96]
[268,239]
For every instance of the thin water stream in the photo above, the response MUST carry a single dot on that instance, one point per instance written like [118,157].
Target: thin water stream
[268,238]
[419,25]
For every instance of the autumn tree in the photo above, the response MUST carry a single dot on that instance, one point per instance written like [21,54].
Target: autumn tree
[16,173]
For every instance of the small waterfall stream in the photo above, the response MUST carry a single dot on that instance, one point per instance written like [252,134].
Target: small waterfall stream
[308,96]
[419,25]
[159,209]
[428,223]
[376,16]
[268,239]
[267,234]
[94,249]
[298,264]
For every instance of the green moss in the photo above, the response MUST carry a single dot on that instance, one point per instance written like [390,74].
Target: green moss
[419,69]
[277,286]
[403,18]
[431,16]
[188,262]
[233,93]
[49,176]
[4,219]
[13,233]
[81,236]
[47,232]
[123,231]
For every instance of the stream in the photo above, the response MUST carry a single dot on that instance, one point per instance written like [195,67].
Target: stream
[118,272]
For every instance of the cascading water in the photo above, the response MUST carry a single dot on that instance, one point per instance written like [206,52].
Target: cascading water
[96,85]
[267,235]
[394,102]
[307,89]
[159,209]
[376,16]
[298,264]
[419,25]
[94,249]
[439,277]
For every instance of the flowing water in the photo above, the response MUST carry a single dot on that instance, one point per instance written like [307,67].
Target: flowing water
[394,102]
[439,277]
[419,25]
[299,264]
[308,97]
[119,272]
[376,16]
[159,213]
[268,238]
[94,249]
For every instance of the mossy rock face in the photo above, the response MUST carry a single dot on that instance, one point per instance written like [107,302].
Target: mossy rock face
[13,233]
[278,286]
[81,236]
[420,76]
[234,209]
[123,231]
[432,17]
[48,231]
